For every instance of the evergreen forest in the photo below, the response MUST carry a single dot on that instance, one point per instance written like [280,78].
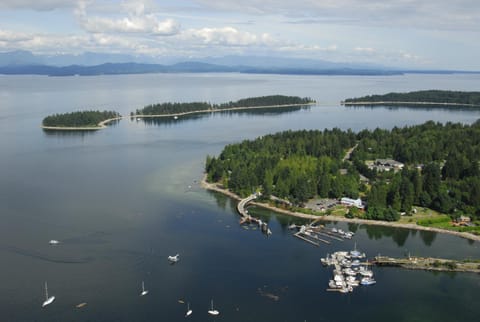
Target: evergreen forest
[176,108]
[441,168]
[79,119]
[430,96]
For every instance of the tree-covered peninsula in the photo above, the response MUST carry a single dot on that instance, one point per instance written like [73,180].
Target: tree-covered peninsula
[181,108]
[430,165]
[420,98]
[81,119]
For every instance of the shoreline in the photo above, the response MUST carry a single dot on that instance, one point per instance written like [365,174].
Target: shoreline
[368,103]
[214,187]
[102,125]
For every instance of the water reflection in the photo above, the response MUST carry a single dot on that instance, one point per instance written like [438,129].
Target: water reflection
[429,108]
[170,120]
[68,133]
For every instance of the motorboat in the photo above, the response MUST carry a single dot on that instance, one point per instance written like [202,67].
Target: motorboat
[189,312]
[367,281]
[212,311]
[144,291]
[48,300]
[174,259]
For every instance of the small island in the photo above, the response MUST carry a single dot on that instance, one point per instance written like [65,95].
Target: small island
[81,120]
[96,120]
[419,177]
[272,101]
[429,98]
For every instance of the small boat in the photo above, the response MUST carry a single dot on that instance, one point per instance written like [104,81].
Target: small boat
[189,312]
[212,311]
[175,117]
[144,291]
[54,242]
[174,259]
[48,300]
[367,281]
[79,306]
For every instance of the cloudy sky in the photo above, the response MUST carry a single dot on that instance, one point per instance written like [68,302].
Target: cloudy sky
[403,33]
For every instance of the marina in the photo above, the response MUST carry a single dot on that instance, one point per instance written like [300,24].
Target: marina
[349,272]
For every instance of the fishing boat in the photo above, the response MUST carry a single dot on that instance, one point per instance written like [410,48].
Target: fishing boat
[174,259]
[144,291]
[48,300]
[189,312]
[212,311]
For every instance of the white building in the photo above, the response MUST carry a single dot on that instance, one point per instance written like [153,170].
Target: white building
[349,202]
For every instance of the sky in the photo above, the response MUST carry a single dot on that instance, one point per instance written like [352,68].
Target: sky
[435,34]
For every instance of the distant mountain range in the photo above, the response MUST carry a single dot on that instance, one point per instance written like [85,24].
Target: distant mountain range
[27,63]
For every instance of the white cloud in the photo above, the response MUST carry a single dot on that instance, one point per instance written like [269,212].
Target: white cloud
[368,50]
[136,21]
[40,5]
[225,36]
[425,14]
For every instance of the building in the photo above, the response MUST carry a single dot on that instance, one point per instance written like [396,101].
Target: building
[352,202]
[385,165]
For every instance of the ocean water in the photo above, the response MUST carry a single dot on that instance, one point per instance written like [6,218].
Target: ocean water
[122,199]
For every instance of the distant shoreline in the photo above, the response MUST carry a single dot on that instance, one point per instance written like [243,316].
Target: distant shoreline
[215,187]
[102,125]
[368,103]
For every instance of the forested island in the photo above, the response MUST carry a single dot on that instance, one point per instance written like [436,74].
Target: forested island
[420,98]
[79,120]
[252,102]
[393,172]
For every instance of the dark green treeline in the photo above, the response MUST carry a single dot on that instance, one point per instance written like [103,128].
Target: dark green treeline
[79,119]
[175,108]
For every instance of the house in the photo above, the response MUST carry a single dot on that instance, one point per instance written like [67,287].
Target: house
[463,219]
[352,202]
[385,165]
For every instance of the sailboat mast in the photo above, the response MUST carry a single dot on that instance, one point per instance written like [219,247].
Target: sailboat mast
[46,291]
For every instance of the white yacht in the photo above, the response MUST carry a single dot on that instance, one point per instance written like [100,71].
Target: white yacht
[54,242]
[174,259]
[189,312]
[48,300]
[212,311]
[367,281]
[144,291]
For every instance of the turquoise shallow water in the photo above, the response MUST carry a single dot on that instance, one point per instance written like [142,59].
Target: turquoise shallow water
[122,199]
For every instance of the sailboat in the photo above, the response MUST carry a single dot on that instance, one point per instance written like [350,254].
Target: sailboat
[189,312]
[144,292]
[48,300]
[213,311]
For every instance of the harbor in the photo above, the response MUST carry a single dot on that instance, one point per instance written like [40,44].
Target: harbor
[350,271]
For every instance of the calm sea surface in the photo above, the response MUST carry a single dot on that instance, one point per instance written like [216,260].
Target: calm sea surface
[122,199]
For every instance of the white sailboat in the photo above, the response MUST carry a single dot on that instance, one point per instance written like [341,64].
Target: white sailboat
[212,311]
[189,312]
[48,300]
[144,291]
